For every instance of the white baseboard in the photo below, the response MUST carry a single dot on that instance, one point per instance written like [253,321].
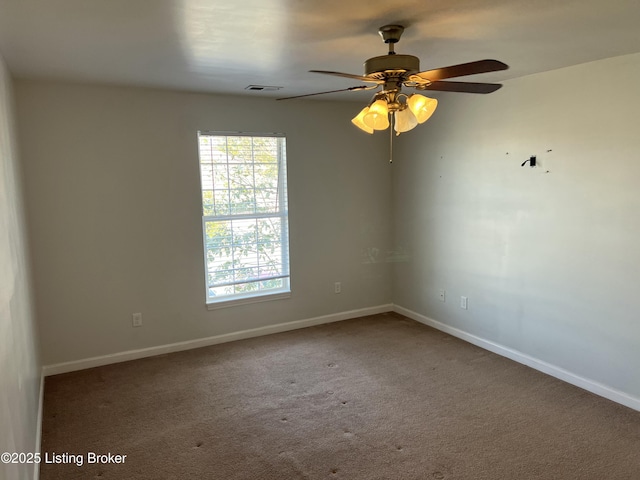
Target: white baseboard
[205,342]
[544,367]
[36,466]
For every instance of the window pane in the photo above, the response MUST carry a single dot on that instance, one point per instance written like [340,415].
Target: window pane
[221,202]
[206,175]
[218,234]
[207,203]
[266,176]
[220,177]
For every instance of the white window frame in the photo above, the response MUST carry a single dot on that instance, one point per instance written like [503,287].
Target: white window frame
[281,213]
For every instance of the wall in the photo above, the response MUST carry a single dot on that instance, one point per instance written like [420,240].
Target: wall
[19,363]
[548,256]
[112,188]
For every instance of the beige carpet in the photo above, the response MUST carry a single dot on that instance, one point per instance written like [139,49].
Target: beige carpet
[380,397]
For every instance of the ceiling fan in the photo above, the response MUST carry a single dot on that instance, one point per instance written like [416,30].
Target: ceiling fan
[391,72]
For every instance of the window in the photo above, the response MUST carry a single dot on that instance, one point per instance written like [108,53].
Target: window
[244,215]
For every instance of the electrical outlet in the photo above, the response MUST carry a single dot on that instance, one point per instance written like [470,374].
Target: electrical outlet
[136,319]
[463,302]
[442,295]
[337,287]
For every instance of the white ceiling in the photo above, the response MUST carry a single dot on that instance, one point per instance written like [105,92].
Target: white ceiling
[224,46]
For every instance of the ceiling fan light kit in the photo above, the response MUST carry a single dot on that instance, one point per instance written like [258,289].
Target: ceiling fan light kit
[406,112]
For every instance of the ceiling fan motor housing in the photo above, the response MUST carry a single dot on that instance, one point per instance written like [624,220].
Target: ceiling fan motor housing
[391,63]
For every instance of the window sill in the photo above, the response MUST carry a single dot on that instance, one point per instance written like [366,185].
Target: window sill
[267,297]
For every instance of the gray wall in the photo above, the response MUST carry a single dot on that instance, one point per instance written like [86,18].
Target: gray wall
[115,217]
[19,363]
[548,257]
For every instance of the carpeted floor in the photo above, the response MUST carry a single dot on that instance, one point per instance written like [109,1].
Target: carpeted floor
[380,397]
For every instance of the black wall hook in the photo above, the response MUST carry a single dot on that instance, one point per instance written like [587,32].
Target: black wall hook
[531,160]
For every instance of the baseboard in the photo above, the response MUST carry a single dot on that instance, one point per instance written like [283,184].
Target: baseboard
[205,342]
[544,367]
[37,448]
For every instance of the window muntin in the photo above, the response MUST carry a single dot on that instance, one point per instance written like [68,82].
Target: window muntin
[244,215]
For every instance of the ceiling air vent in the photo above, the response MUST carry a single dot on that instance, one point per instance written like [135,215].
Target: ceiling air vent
[263,88]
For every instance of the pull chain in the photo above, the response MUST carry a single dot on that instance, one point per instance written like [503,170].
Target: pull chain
[391,138]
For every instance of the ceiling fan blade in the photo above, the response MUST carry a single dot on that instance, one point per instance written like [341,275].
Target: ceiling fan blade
[471,68]
[349,75]
[350,89]
[464,87]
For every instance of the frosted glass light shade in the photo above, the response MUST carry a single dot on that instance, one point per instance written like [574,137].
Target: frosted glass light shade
[405,120]
[422,107]
[378,116]
[357,121]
